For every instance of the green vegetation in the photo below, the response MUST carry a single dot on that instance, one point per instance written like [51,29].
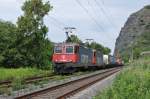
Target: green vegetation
[99,47]
[142,44]
[32,33]
[18,76]
[21,73]
[8,53]
[73,39]
[25,44]
[93,45]
[132,83]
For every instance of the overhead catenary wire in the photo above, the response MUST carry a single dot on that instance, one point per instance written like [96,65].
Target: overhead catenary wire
[58,24]
[96,13]
[104,12]
[92,18]
[92,8]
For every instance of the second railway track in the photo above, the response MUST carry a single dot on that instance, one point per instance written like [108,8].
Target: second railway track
[65,90]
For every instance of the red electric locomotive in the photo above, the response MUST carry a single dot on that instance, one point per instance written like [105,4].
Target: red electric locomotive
[69,57]
[65,53]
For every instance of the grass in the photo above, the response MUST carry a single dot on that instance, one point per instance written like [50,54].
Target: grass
[17,77]
[132,83]
[21,73]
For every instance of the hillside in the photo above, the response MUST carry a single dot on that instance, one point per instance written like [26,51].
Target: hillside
[135,35]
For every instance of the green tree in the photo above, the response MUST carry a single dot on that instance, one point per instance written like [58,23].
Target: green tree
[99,47]
[31,41]
[48,52]
[107,50]
[73,39]
[9,55]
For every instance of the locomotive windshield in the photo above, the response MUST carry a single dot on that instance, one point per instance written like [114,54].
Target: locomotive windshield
[58,49]
[69,49]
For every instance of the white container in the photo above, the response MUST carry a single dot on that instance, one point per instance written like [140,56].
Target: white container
[105,59]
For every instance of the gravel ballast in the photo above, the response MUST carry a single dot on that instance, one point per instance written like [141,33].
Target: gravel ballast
[50,84]
[95,89]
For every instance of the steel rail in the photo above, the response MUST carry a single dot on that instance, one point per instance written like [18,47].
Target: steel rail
[66,90]
[85,86]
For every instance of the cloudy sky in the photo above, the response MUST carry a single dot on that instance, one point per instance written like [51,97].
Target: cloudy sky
[100,20]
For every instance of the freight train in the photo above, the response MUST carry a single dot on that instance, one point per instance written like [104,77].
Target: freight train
[70,57]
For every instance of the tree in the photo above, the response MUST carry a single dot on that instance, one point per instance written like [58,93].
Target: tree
[107,50]
[73,39]
[48,52]
[32,40]
[9,55]
[99,47]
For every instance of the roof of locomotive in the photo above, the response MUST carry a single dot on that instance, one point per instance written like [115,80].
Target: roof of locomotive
[72,44]
[68,44]
[76,44]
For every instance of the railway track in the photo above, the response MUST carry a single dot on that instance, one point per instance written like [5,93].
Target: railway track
[65,90]
[8,83]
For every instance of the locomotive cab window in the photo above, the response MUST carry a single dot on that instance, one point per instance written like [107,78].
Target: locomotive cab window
[58,49]
[69,49]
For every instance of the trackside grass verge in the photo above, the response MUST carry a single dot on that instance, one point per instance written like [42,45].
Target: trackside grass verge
[17,76]
[132,83]
[21,73]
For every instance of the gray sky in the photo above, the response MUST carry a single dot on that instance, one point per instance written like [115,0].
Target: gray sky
[110,16]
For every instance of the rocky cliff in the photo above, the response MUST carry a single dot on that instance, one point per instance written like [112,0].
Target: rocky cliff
[137,25]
